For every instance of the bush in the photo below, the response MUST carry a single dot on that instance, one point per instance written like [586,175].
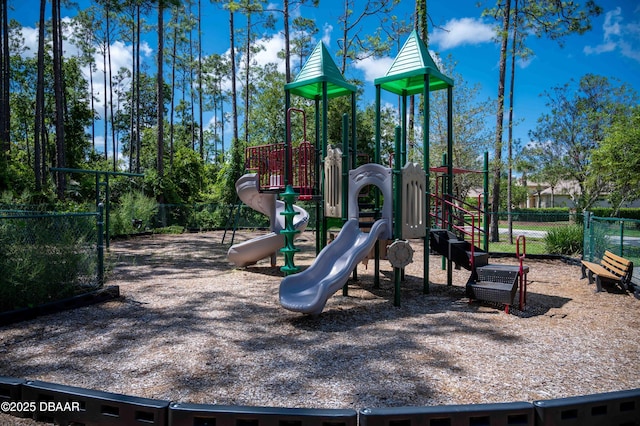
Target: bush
[551,214]
[565,240]
[625,212]
[135,213]
[46,258]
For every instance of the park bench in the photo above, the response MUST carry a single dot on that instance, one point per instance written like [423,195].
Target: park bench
[611,268]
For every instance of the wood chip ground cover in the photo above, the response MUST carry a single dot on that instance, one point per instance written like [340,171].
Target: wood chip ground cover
[190,327]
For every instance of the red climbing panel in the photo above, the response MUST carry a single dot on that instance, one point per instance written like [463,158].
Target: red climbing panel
[268,162]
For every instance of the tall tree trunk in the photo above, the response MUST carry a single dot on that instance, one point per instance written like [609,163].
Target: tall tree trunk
[247,65]
[137,59]
[421,28]
[132,121]
[287,50]
[113,127]
[192,99]
[93,121]
[106,100]
[421,20]
[497,160]
[58,83]
[5,72]
[514,52]
[200,101]
[174,50]
[39,141]
[222,120]
[236,145]
[160,96]
[345,33]
[234,96]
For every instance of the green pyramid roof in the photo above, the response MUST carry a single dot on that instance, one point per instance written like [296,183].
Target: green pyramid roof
[318,69]
[413,62]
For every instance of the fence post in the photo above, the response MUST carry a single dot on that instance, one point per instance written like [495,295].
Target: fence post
[589,233]
[100,247]
[621,238]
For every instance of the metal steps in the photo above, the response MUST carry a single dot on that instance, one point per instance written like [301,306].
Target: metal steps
[460,252]
[496,283]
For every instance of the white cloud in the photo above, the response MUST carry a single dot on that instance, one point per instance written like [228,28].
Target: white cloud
[618,36]
[327,29]
[601,48]
[524,63]
[464,31]
[145,49]
[373,67]
[30,36]
[267,55]
[269,52]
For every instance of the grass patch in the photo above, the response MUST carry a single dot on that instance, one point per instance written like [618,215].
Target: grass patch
[534,246]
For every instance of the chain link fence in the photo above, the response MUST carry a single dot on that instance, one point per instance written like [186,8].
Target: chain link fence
[534,226]
[46,257]
[619,236]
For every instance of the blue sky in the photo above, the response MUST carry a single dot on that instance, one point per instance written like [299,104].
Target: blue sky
[611,48]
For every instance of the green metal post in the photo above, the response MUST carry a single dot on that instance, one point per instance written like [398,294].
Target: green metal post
[287,140]
[345,167]
[443,189]
[403,160]
[425,150]
[325,137]
[376,261]
[485,221]
[402,154]
[289,249]
[397,214]
[622,238]
[449,168]
[100,246]
[354,136]
[586,250]
[450,142]
[591,237]
[97,190]
[345,184]
[107,209]
[319,181]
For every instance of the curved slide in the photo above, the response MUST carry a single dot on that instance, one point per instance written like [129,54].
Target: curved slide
[251,251]
[309,290]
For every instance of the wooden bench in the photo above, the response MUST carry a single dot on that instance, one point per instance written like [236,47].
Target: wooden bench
[611,268]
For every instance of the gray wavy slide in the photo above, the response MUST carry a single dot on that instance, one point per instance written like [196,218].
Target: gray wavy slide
[308,291]
[251,251]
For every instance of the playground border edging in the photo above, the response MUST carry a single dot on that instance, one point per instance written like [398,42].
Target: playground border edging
[93,297]
[104,408]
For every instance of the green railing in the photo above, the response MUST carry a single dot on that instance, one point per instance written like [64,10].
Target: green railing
[46,257]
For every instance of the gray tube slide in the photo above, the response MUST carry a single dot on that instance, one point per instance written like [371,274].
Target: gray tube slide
[251,251]
[309,290]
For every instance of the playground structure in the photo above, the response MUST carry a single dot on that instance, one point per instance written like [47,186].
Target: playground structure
[251,251]
[408,208]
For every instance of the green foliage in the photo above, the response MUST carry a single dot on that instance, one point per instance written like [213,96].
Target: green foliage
[552,214]
[626,213]
[617,159]
[597,241]
[577,121]
[565,240]
[186,175]
[134,213]
[45,258]
[519,194]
